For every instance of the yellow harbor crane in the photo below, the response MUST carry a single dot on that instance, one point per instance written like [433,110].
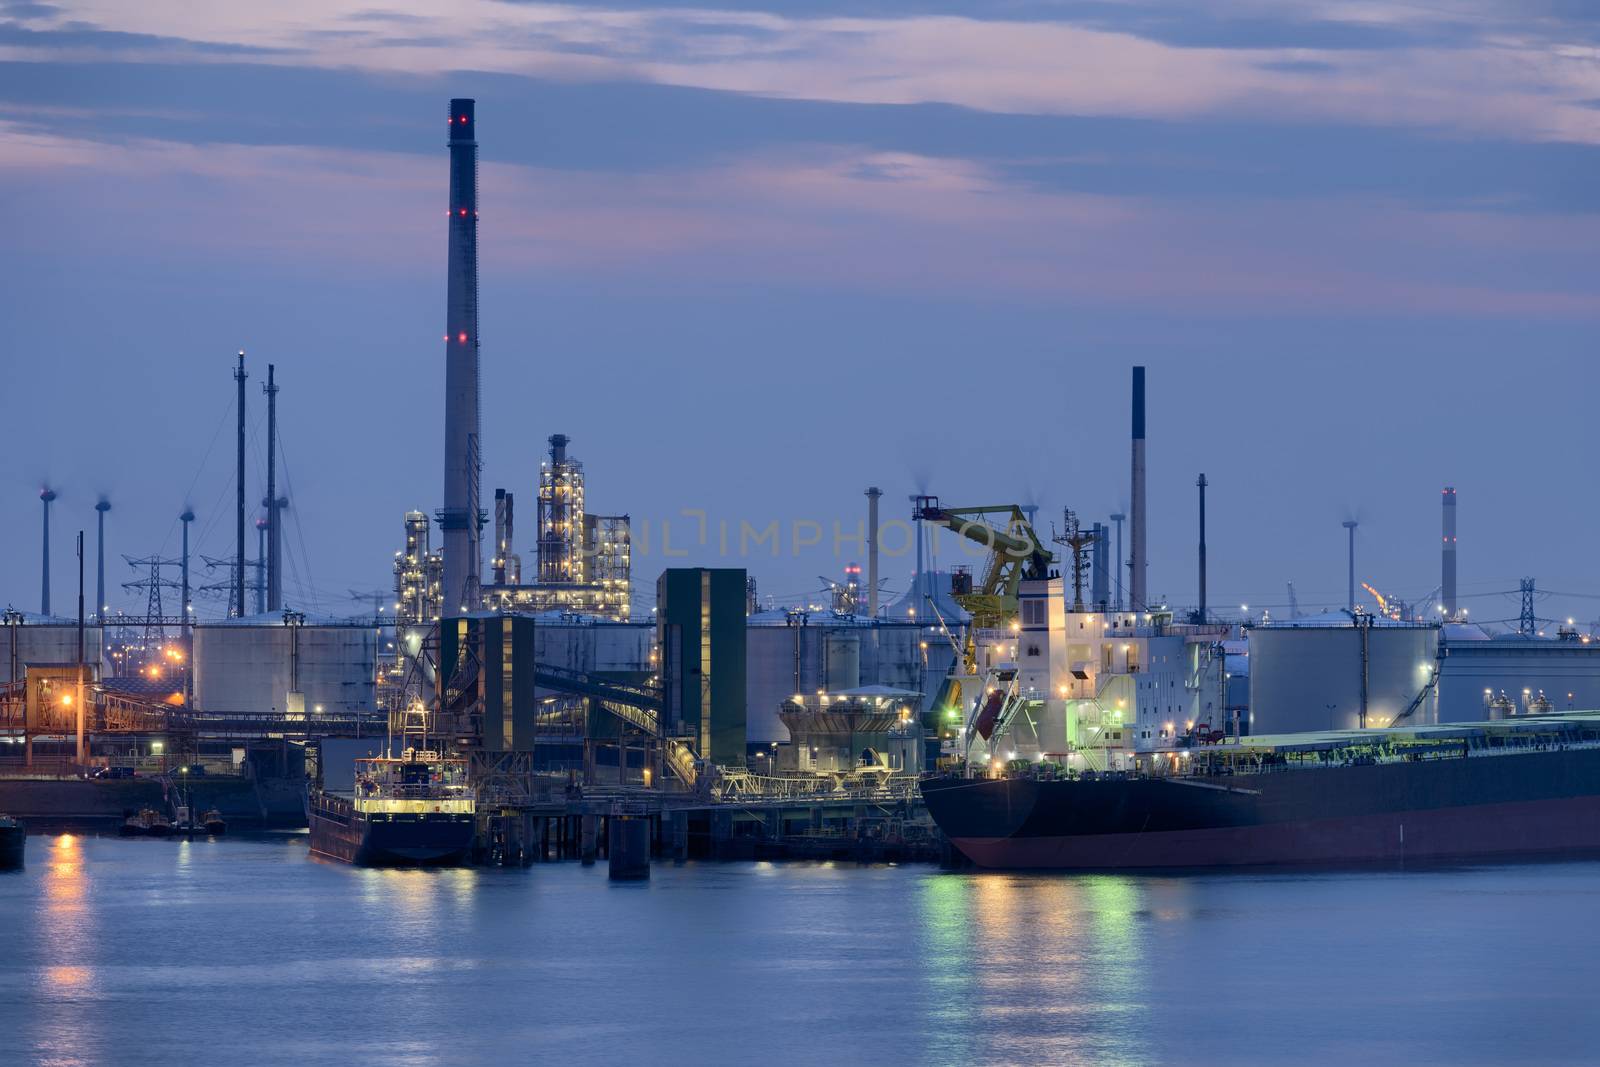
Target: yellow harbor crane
[1015,553]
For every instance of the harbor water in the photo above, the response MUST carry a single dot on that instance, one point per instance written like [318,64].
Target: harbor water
[250,951]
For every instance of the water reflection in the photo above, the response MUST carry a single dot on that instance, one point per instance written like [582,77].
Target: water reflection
[947,968]
[1024,969]
[64,1029]
[413,900]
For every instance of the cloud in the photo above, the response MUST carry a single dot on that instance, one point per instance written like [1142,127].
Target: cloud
[1526,80]
[881,221]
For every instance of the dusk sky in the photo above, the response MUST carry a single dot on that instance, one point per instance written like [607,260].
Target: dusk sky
[753,260]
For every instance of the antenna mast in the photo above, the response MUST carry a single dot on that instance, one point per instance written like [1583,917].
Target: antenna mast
[1073,536]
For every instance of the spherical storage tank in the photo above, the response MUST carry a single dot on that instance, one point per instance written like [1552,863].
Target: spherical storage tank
[251,665]
[1306,675]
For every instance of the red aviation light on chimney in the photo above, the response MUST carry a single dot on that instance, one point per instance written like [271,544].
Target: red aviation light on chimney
[462,338]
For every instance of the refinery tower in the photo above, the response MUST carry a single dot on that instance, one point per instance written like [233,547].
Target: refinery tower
[460,518]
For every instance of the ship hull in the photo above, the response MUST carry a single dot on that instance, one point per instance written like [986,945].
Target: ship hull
[1481,807]
[13,845]
[421,840]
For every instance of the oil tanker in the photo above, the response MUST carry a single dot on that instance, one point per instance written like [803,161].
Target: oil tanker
[1522,787]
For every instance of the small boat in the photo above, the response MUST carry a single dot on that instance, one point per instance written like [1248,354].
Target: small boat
[417,810]
[147,822]
[214,823]
[13,839]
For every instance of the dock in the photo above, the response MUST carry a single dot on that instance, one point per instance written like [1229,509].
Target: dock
[578,826]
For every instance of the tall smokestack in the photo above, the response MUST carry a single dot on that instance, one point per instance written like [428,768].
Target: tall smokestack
[47,495]
[239,376]
[459,518]
[499,537]
[274,535]
[188,617]
[512,562]
[1201,483]
[1099,584]
[101,506]
[261,565]
[1447,578]
[873,493]
[1118,518]
[1138,564]
[1350,594]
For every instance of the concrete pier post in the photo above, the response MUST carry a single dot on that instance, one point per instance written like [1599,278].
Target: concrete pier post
[680,836]
[587,827]
[629,846]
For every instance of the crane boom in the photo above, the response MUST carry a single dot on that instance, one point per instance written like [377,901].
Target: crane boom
[1015,553]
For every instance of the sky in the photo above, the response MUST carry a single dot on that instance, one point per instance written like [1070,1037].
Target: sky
[753,259]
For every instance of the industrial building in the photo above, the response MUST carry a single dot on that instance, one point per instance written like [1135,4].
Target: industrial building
[39,675]
[503,648]
[584,560]
[700,632]
[873,727]
[286,663]
[418,574]
[829,653]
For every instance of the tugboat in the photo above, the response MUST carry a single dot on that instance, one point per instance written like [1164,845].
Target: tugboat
[214,823]
[147,822]
[413,811]
[13,838]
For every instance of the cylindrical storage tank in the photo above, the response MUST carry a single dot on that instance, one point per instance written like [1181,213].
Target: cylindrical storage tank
[1307,676]
[44,640]
[779,662]
[896,657]
[843,651]
[250,665]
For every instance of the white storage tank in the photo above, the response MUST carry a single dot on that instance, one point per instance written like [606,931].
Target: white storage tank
[43,639]
[1306,674]
[287,662]
[843,661]
[1488,677]
[579,643]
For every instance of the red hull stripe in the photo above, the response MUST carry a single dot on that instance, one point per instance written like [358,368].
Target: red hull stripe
[1476,831]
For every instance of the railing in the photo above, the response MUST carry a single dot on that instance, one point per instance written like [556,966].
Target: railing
[1243,763]
[743,784]
[680,761]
